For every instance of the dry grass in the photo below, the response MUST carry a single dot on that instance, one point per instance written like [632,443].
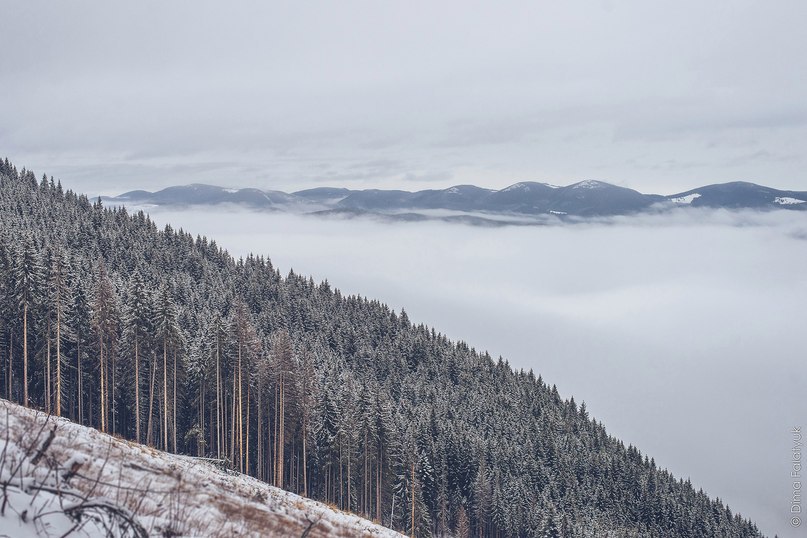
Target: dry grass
[178,496]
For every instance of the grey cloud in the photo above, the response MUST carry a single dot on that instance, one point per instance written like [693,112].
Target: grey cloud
[677,120]
[763,156]
[470,93]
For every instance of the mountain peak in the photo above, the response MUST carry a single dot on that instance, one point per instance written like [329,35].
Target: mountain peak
[590,184]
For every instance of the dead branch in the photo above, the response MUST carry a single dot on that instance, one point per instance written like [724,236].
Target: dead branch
[44,447]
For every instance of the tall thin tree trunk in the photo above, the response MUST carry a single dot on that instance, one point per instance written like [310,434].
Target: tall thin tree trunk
[80,381]
[392,511]
[271,427]
[113,423]
[203,449]
[240,413]
[101,362]
[277,434]
[379,475]
[59,357]
[246,452]
[174,407]
[413,497]
[48,380]
[281,433]
[365,504]
[25,355]
[259,434]
[137,387]
[234,423]
[165,393]
[200,417]
[10,365]
[211,427]
[305,461]
[149,428]
[218,401]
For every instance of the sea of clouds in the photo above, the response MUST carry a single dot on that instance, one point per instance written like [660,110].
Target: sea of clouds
[683,332]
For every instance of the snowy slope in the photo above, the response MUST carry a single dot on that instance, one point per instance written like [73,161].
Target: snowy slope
[61,479]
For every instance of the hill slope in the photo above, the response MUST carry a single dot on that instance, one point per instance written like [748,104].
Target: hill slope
[164,338]
[89,482]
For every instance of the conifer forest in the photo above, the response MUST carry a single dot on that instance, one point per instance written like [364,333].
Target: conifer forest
[161,337]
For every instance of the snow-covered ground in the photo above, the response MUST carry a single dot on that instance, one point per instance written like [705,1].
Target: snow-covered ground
[61,479]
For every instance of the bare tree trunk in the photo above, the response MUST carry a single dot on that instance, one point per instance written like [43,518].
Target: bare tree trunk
[113,423]
[277,434]
[200,450]
[234,423]
[174,407]
[101,361]
[259,471]
[282,432]
[246,465]
[25,355]
[240,412]
[137,388]
[10,365]
[59,359]
[211,427]
[48,380]
[149,428]
[80,382]
[305,461]
[365,504]
[270,449]
[165,394]
[378,475]
[218,401]
[413,497]
[392,511]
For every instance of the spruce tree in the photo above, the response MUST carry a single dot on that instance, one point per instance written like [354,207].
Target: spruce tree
[28,277]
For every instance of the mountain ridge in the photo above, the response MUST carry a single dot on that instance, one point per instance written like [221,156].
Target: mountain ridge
[588,198]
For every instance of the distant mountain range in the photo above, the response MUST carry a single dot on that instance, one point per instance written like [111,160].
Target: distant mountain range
[519,203]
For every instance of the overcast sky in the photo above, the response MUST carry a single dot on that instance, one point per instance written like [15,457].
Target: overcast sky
[658,96]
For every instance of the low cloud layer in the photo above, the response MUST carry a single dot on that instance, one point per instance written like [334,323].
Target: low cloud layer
[682,332]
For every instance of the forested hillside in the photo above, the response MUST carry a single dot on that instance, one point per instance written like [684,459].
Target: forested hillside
[162,337]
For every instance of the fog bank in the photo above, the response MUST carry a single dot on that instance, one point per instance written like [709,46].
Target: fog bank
[682,332]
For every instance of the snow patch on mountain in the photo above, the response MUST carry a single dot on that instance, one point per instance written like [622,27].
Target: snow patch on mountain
[515,187]
[787,200]
[685,199]
[588,184]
